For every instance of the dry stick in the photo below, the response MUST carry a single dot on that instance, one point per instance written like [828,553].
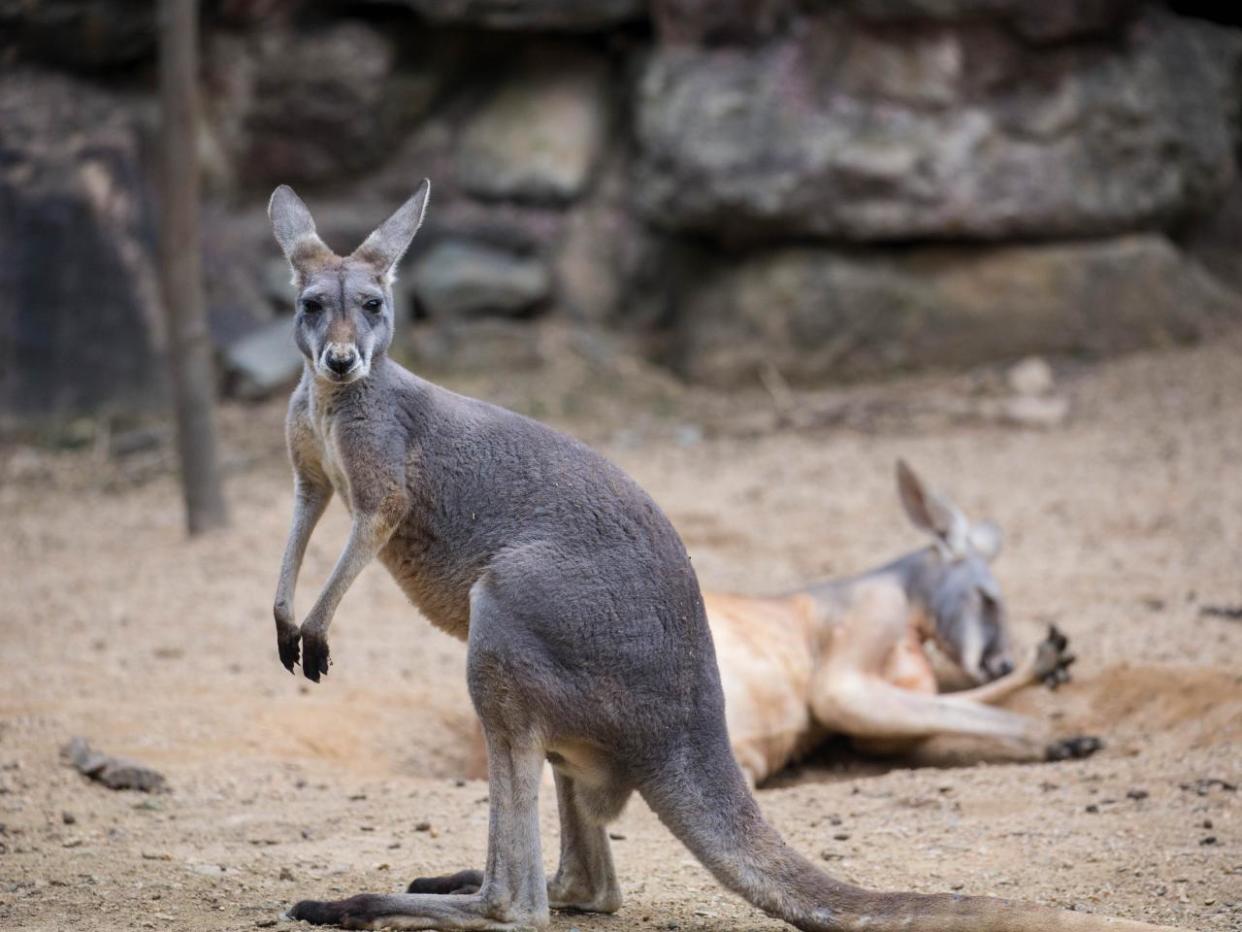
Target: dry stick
[189,349]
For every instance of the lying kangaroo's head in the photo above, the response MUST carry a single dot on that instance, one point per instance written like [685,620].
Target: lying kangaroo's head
[344,306]
[961,595]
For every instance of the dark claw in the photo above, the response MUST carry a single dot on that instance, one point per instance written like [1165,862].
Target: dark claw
[1054,656]
[315,657]
[461,882]
[287,644]
[1076,748]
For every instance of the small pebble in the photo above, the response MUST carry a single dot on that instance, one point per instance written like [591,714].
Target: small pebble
[616,836]
[265,923]
[1209,840]
[423,827]
[68,818]
[1093,808]
[1032,376]
[286,874]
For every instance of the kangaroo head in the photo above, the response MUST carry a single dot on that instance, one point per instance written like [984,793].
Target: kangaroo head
[961,596]
[344,317]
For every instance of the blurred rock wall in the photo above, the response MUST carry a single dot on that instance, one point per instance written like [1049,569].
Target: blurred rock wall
[821,188]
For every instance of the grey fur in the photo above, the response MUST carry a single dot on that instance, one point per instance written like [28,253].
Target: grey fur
[587,639]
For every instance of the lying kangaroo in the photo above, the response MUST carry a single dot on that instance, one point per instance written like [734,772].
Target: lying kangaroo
[588,645]
[848,656]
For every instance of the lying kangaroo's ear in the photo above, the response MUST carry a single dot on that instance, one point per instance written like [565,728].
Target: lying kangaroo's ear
[930,512]
[387,244]
[295,230]
[985,540]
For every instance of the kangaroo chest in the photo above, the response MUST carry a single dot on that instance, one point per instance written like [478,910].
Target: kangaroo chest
[325,435]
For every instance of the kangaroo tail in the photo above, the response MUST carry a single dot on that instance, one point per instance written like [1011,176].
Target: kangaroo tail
[701,796]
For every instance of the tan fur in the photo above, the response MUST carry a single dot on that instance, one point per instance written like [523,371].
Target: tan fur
[794,672]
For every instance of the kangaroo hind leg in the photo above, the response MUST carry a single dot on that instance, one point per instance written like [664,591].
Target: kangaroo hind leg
[513,891]
[585,879]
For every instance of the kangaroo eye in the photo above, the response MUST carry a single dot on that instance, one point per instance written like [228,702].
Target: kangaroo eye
[373,304]
[311,306]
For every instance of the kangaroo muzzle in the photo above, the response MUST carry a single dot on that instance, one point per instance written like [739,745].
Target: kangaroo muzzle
[339,361]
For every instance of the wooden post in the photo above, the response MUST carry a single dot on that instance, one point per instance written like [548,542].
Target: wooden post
[189,345]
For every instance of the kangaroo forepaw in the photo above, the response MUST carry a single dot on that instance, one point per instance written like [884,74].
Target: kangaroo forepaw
[1053,659]
[287,641]
[461,882]
[315,656]
[1075,748]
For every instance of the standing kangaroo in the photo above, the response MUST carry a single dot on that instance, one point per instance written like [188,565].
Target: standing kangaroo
[587,640]
[847,656]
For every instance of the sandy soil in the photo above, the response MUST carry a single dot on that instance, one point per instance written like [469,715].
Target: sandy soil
[1121,527]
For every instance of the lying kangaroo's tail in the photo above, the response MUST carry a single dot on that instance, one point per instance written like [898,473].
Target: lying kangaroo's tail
[702,798]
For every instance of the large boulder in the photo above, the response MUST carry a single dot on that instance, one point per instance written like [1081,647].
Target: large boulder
[1045,21]
[539,135]
[313,105]
[1216,239]
[79,293]
[599,256]
[1048,21]
[459,278]
[711,21]
[817,315]
[563,15]
[904,132]
[79,34]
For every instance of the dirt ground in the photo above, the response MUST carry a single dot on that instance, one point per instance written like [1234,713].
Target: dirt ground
[1122,526]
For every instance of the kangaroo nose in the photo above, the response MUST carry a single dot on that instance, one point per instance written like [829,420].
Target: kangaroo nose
[340,363]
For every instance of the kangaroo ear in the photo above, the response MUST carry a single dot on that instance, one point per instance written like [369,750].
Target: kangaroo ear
[985,540]
[930,512]
[295,230]
[388,243]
